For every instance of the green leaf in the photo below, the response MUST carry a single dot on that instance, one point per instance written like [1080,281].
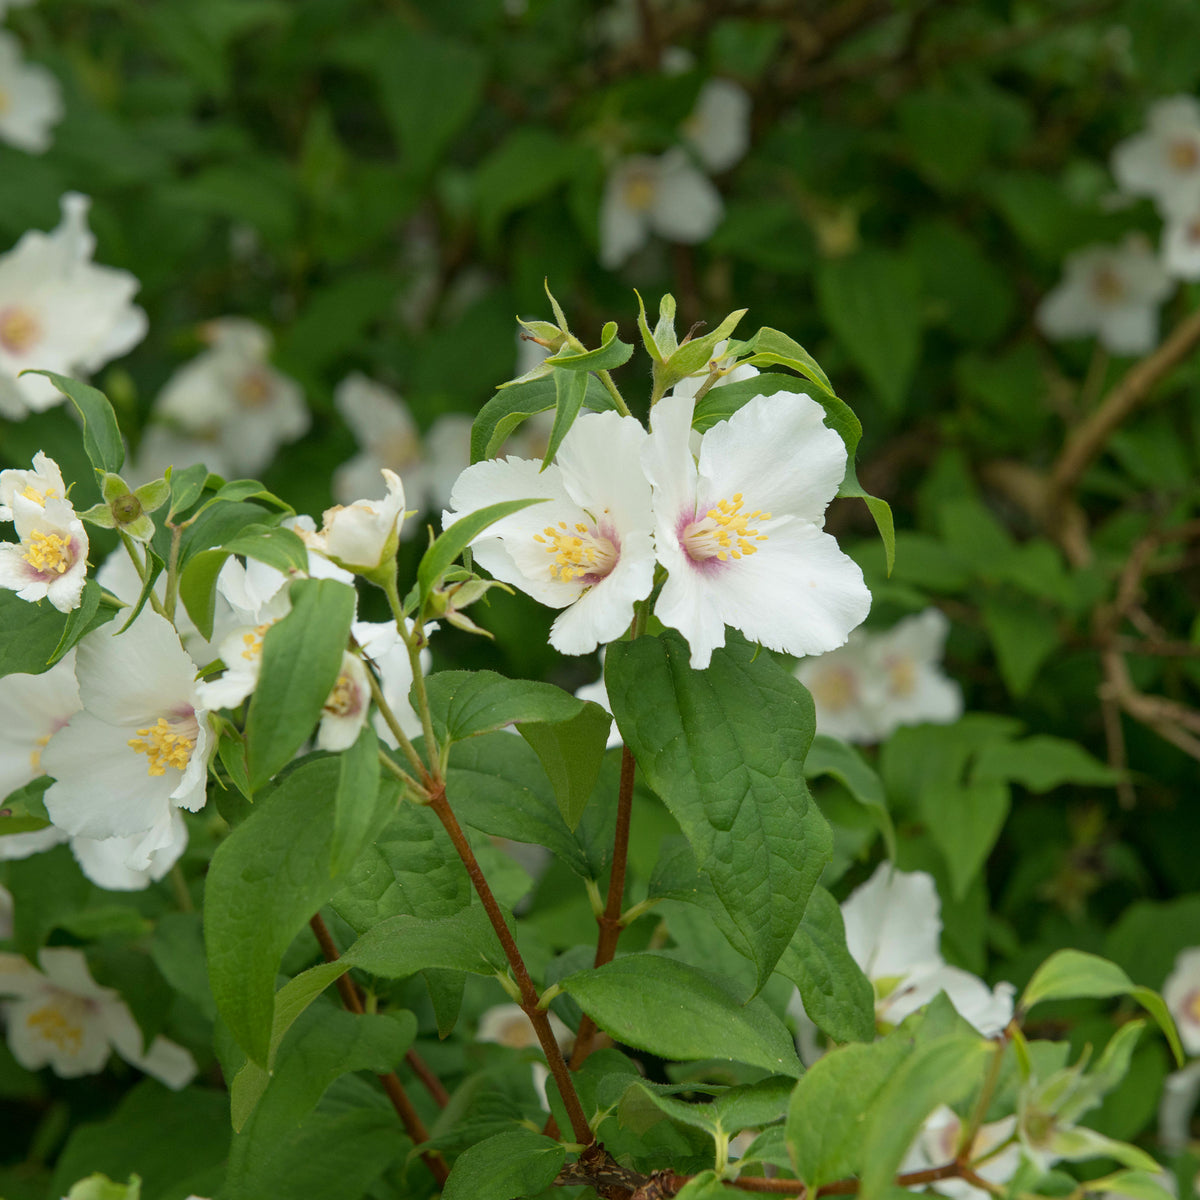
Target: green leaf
[964,821]
[447,548]
[514,403]
[528,164]
[569,390]
[100,1187]
[187,486]
[946,134]
[505,1166]
[880,510]
[695,355]
[678,1012]
[101,434]
[198,588]
[771,348]
[732,775]
[31,634]
[571,751]
[828,756]
[837,996]
[612,352]
[1024,635]
[872,302]
[354,804]
[271,544]
[80,620]
[264,883]
[466,703]
[1041,763]
[301,661]
[943,1071]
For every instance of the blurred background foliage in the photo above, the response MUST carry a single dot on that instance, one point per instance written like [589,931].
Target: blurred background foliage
[386,185]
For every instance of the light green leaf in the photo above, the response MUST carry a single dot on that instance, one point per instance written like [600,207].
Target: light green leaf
[1023,634]
[514,403]
[880,510]
[771,348]
[467,703]
[1041,763]
[570,387]
[612,352]
[101,434]
[828,756]
[964,821]
[508,1165]
[571,752]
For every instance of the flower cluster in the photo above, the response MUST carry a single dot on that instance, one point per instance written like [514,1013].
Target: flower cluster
[738,527]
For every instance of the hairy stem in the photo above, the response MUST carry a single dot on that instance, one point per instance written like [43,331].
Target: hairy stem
[611,388]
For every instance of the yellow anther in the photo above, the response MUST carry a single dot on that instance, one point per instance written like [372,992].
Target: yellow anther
[48,553]
[834,689]
[253,642]
[31,493]
[576,556]
[724,532]
[163,747]
[345,700]
[35,755]
[20,330]
[53,1025]
[902,675]
[1183,154]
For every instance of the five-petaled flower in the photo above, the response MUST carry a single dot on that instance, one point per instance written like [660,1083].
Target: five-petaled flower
[50,560]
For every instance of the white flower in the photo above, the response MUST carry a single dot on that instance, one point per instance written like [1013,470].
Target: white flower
[1164,160]
[120,864]
[30,100]
[447,456]
[1181,992]
[345,711]
[6,913]
[1181,1089]
[507,1025]
[938,1144]
[163,446]
[1110,291]
[61,1018]
[740,532]
[44,482]
[1181,245]
[362,535]
[664,195]
[868,688]
[588,549]
[59,311]
[231,392]
[139,748]
[718,128]
[893,931]
[50,561]
[383,646]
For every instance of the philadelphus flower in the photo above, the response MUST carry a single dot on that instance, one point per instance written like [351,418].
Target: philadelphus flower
[139,749]
[44,482]
[30,100]
[893,931]
[1163,161]
[60,312]
[61,1018]
[232,394]
[1110,291]
[345,711]
[718,128]
[362,536]
[382,645]
[50,561]
[868,688]
[587,549]
[1181,245]
[938,1143]
[740,530]
[664,195]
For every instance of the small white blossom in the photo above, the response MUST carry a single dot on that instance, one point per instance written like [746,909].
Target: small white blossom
[664,195]
[587,549]
[740,530]
[61,1018]
[1163,161]
[50,561]
[363,535]
[1110,291]
[44,482]
[938,1144]
[868,688]
[30,100]
[1181,245]
[718,129]
[60,312]
[507,1025]
[230,393]
[1181,992]
[120,864]
[344,713]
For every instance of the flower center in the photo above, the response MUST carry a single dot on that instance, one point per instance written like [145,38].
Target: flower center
[1107,285]
[60,1022]
[1183,154]
[724,532]
[399,450]
[19,329]
[163,747]
[579,553]
[516,1032]
[639,191]
[346,698]
[1191,1006]
[252,642]
[902,675]
[48,553]
[31,493]
[834,689]
[254,388]
[35,755]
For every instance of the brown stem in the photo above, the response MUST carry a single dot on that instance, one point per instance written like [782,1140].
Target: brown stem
[529,995]
[610,920]
[409,1117]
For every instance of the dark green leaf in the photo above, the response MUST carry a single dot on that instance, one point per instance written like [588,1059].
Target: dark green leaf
[101,434]
[569,390]
[30,634]
[571,752]
[511,405]
[467,703]
[354,805]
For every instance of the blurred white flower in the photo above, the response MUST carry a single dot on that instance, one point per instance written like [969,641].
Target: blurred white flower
[361,536]
[6,913]
[59,311]
[50,561]
[587,549]
[61,1018]
[382,645]
[1181,1090]
[1163,161]
[1110,291]
[938,1144]
[740,529]
[163,446]
[5,5]
[1181,245]
[508,1025]
[718,129]
[33,708]
[139,748]
[44,482]
[893,931]
[230,393]
[868,688]
[1181,992]
[664,195]
[30,99]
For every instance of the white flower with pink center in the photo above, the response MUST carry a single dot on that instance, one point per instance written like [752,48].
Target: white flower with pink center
[740,529]
[60,312]
[1163,161]
[587,549]
[139,748]
[61,1018]
[50,560]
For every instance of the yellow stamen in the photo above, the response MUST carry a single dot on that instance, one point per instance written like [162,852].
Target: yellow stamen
[64,1029]
[724,532]
[1183,154]
[35,755]
[399,451]
[639,191]
[253,641]
[834,689]
[1107,285]
[48,553]
[20,330]
[345,700]
[29,492]
[577,555]
[902,675]
[163,747]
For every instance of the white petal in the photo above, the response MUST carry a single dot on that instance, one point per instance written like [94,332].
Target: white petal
[165,1060]
[893,922]
[687,207]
